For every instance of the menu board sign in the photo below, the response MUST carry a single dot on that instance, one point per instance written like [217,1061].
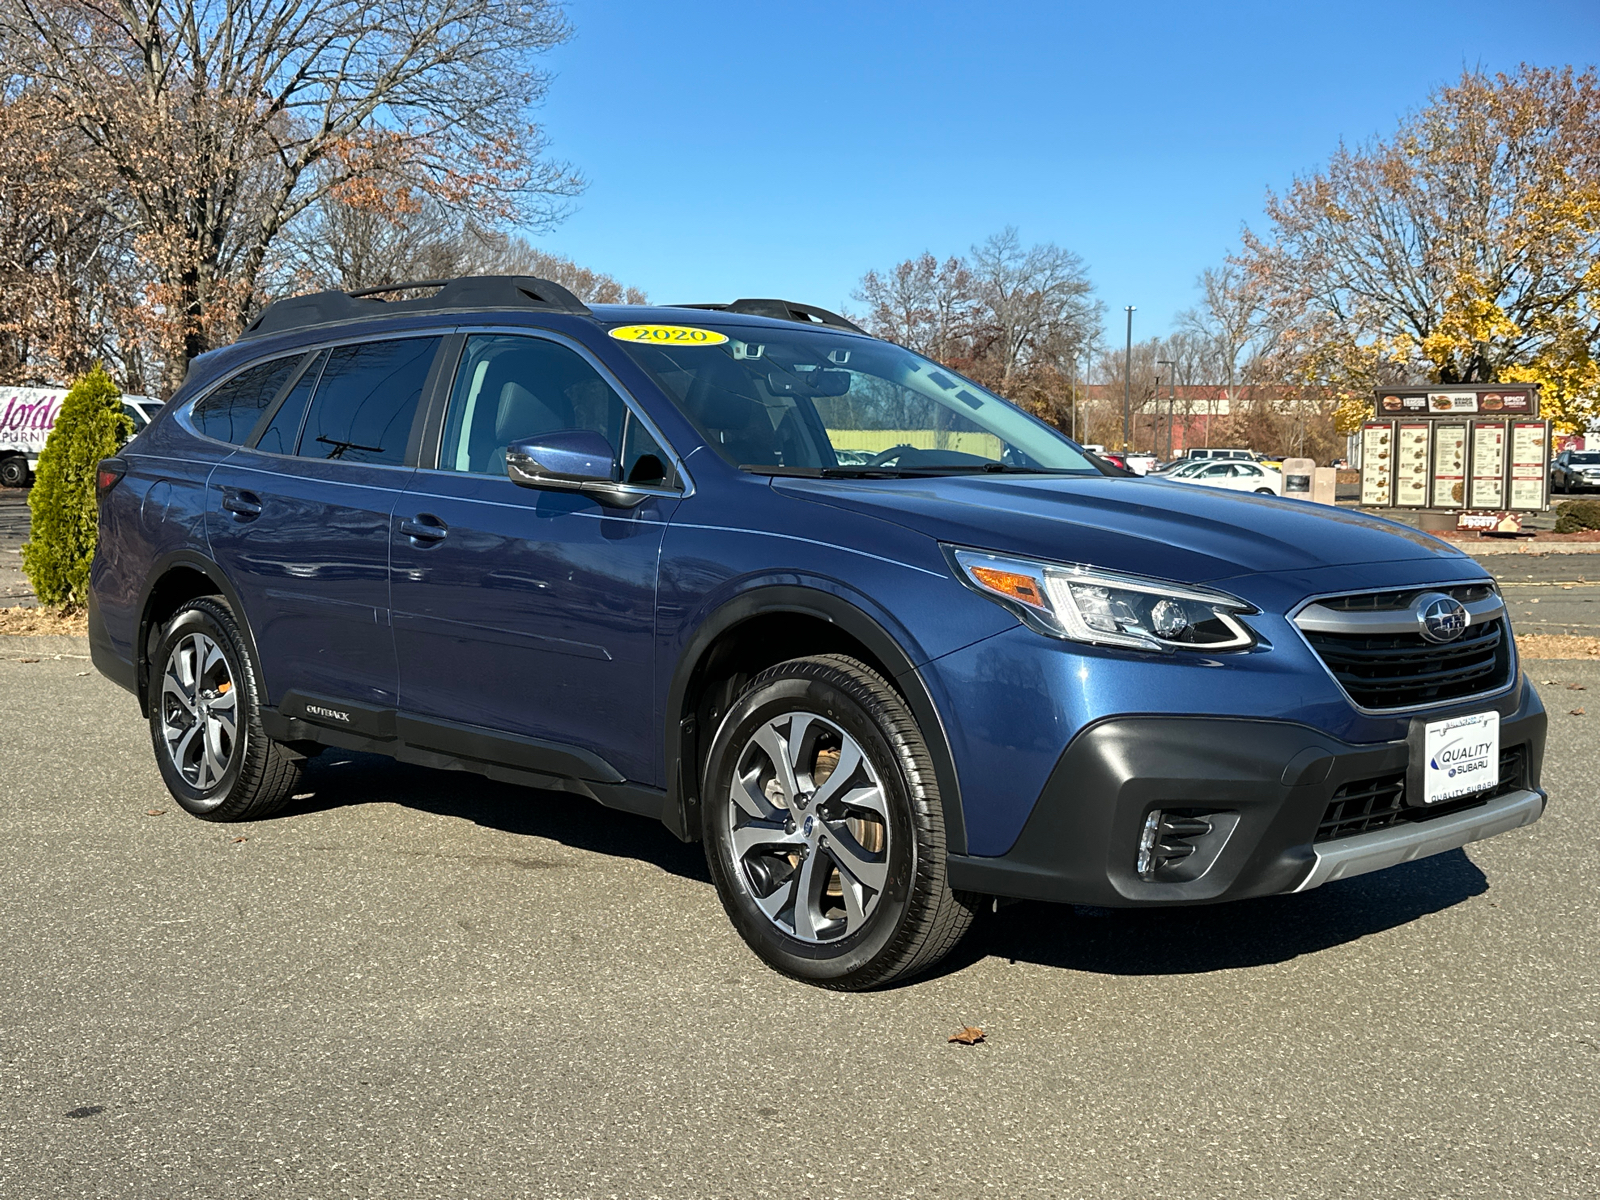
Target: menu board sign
[1449,465]
[1527,464]
[1411,465]
[1376,455]
[1453,402]
[1389,403]
[1513,402]
[1488,466]
[1445,400]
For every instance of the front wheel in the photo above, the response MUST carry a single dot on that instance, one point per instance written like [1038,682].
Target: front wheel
[824,828]
[1265,492]
[205,720]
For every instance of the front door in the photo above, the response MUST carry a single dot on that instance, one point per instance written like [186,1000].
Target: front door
[300,520]
[525,612]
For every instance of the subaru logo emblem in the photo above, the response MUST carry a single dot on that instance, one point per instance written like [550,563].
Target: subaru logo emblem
[1443,618]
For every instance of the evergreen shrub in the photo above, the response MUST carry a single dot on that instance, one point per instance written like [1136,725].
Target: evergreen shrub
[65,516]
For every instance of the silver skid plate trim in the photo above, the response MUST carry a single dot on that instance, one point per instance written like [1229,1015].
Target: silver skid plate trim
[1385,848]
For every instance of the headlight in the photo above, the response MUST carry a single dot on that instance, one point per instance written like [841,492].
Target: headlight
[1085,604]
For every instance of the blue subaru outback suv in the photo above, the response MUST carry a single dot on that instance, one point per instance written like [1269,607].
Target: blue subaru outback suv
[889,646]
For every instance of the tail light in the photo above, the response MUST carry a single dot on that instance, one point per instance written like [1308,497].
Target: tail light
[108,474]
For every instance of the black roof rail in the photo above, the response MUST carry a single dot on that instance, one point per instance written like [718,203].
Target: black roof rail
[469,291]
[783,310]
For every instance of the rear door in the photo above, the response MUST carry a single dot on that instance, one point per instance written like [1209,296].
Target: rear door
[524,612]
[299,520]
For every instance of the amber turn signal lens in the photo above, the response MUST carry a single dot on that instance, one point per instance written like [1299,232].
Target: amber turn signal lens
[1011,584]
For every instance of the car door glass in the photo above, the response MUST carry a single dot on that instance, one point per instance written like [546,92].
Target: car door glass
[230,412]
[1217,471]
[511,388]
[282,433]
[366,401]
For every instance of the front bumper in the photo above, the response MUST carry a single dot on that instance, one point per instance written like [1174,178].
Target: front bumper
[1271,784]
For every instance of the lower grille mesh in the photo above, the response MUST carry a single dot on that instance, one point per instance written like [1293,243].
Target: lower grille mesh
[1364,805]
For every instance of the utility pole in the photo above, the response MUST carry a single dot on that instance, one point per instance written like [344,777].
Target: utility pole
[1072,377]
[1127,386]
[1172,384]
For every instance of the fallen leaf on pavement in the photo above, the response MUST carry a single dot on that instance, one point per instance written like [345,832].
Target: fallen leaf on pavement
[969,1036]
[27,660]
[1576,687]
[236,841]
[155,812]
[1577,712]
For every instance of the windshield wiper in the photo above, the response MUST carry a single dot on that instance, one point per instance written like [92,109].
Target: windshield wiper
[823,472]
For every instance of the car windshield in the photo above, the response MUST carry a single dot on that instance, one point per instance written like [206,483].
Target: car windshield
[808,402]
[1586,459]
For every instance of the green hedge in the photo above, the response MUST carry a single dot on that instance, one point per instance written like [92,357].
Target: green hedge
[90,426]
[1577,515]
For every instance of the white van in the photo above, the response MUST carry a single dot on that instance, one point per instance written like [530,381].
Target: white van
[27,415]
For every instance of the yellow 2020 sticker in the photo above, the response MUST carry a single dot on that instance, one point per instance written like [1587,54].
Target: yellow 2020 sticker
[669,335]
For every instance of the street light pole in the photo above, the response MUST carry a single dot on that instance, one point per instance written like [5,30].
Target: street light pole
[1072,376]
[1172,384]
[1127,385]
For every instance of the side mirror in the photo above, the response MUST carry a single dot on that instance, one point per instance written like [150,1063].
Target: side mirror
[571,460]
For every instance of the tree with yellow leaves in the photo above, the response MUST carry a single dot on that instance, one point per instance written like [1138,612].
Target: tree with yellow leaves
[1464,249]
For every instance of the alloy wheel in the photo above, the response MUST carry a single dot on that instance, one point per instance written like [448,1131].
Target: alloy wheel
[199,711]
[809,827]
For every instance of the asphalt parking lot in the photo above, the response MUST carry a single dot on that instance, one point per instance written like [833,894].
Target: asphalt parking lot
[422,984]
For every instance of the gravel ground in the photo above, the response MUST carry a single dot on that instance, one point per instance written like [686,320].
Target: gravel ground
[422,984]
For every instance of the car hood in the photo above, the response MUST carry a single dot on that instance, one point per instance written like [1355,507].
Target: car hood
[1150,527]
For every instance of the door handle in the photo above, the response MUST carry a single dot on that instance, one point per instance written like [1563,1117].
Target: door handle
[243,505]
[424,527]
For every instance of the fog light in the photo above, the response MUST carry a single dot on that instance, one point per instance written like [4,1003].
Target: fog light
[1167,838]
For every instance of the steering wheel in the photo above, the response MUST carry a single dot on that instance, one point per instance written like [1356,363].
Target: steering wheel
[883,456]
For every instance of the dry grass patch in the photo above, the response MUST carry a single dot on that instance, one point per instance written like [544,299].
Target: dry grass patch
[37,622]
[1557,645]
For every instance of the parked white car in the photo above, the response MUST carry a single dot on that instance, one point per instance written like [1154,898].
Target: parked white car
[1235,475]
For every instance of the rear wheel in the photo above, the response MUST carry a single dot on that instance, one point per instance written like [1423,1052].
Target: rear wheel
[13,471]
[205,720]
[1265,492]
[824,828]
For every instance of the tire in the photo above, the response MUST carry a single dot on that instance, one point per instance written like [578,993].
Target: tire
[1265,492]
[870,873]
[236,772]
[13,471]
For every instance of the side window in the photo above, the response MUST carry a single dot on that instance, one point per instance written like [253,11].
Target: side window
[231,411]
[366,400]
[511,388]
[282,433]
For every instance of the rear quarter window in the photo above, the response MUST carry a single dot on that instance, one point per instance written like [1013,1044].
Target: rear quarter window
[230,412]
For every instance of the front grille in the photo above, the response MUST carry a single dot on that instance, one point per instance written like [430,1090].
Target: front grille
[1401,670]
[1364,805]
[1396,601]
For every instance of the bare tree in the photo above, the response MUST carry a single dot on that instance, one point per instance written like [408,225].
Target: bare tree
[1036,303]
[223,120]
[344,247]
[922,304]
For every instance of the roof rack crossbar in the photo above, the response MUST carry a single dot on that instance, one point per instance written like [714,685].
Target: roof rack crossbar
[468,291]
[783,310]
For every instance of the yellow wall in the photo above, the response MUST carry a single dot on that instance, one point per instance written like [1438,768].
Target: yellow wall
[985,445]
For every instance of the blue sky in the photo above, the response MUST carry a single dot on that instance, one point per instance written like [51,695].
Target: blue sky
[781,149]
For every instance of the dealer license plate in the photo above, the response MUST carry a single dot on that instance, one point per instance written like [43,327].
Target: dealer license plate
[1463,756]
